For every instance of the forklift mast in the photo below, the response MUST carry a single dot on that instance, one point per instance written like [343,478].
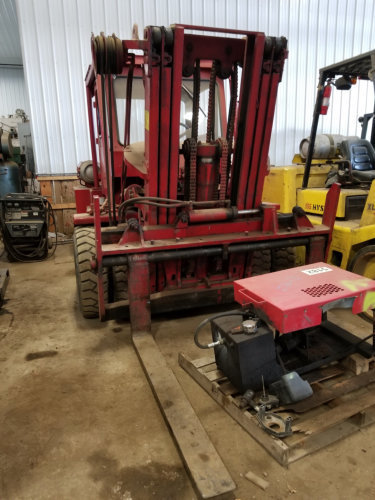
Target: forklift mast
[174,62]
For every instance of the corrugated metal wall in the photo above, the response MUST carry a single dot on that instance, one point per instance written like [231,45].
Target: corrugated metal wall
[55,38]
[13,92]
[10,49]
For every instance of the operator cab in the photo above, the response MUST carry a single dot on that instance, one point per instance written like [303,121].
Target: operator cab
[134,144]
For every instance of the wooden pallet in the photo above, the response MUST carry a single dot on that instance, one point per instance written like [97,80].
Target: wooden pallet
[343,404]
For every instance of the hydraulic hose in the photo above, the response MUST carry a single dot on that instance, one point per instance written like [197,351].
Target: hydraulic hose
[163,203]
[203,323]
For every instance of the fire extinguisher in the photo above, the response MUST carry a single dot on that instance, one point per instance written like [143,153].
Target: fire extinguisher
[326,96]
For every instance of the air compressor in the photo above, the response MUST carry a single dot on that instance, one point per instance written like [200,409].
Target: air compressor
[282,331]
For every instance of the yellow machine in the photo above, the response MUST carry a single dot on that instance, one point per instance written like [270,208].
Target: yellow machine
[352,230]
[326,159]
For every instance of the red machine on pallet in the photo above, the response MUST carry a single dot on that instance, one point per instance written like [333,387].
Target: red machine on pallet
[175,183]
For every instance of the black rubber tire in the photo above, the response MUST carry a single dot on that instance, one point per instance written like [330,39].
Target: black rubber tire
[120,283]
[87,280]
[282,258]
[358,266]
[260,262]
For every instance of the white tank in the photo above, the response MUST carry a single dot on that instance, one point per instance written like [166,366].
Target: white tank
[326,145]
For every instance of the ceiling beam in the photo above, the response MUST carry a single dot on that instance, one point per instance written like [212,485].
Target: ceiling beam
[11,66]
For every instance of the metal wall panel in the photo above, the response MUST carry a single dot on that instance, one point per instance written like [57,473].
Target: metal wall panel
[10,48]
[13,93]
[55,38]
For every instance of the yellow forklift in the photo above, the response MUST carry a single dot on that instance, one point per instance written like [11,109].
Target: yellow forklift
[324,159]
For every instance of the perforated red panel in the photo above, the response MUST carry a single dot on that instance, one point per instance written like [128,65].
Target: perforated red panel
[294,299]
[326,289]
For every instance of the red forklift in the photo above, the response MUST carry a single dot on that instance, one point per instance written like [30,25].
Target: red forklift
[169,213]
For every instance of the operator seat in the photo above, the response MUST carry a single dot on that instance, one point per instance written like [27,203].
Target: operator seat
[361,156]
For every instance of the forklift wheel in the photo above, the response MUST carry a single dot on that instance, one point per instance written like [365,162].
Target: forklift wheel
[120,283]
[363,263]
[282,258]
[87,281]
[260,262]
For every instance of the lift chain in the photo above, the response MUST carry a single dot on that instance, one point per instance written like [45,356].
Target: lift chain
[223,144]
[189,149]
[232,105]
[210,136]
[193,169]
[196,97]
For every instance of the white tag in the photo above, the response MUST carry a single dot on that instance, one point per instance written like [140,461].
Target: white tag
[317,270]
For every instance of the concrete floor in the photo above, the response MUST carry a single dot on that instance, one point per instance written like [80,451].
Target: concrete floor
[79,421]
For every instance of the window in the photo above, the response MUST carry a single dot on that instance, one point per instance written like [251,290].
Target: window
[186,110]
[137,117]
